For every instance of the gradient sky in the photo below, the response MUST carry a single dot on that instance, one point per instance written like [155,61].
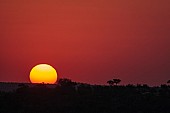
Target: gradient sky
[88,41]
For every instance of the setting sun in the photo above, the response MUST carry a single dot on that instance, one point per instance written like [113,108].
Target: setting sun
[43,73]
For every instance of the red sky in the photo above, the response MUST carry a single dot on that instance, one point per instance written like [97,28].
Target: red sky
[88,41]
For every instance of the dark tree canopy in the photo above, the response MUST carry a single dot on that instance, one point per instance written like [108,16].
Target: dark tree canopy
[63,98]
[113,81]
[66,82]
[168,81]
[110,82]
[116,81]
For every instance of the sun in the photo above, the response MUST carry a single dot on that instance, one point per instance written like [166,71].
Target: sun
[43,73]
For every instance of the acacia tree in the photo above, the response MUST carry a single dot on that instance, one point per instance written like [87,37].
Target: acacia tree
[116,81]
[110,82]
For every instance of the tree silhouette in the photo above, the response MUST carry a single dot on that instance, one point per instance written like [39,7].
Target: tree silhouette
[168,81]
[116,81]
[97,98]
[66,82]
[110,82]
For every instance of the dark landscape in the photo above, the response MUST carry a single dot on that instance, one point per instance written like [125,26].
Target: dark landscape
[84,56]
[72,97]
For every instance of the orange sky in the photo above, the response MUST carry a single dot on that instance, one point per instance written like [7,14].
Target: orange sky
[89,41]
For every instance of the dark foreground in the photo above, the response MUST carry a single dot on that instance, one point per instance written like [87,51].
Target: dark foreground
[86,99]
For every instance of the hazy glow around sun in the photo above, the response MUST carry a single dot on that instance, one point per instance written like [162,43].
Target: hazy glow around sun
[43,73]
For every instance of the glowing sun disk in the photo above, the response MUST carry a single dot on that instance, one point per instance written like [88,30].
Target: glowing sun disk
[43,73]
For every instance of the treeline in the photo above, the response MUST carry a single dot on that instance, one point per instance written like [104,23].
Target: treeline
[72,97]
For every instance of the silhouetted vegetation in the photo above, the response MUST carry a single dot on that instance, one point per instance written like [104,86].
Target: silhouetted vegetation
[110,82]
[116,81]
[113,82]
[72,97]
[66,82]
[168,81]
